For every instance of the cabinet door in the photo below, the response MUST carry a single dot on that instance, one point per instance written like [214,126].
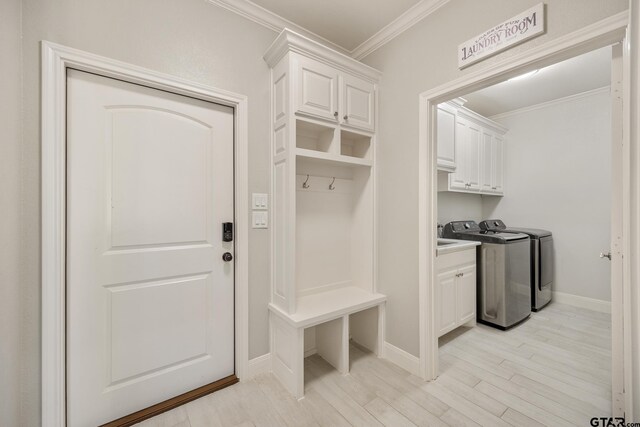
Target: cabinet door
[486,162]
[458,179]
[446,299]
[498,165]
[317,89]
[472,163]
[466,294]
[446,126]
[357,101]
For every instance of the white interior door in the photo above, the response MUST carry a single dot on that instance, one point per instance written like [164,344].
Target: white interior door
[150,301]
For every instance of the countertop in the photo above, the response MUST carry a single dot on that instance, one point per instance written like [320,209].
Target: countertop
[454,246]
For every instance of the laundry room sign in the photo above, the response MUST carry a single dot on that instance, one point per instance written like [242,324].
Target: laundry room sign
[521,27]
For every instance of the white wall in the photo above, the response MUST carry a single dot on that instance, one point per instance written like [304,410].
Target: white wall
[192,39]
[10,203]
[458,206]
[419,60]
[558,178]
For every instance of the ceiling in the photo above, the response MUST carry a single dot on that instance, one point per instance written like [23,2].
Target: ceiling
[582,73]
[346,23]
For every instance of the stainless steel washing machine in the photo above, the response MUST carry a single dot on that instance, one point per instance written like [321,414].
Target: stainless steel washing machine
[541,264]
[503,279]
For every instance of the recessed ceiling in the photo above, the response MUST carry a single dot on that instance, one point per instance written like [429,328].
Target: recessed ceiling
[582,73]
[346,23]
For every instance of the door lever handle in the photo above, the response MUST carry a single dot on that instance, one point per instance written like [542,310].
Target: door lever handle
[607,255]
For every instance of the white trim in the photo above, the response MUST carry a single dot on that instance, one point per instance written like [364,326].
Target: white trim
[582,302]
[261,16]
[257,366]
[398,26]
[310,352]
[605,32]
[406,361]
[547,104]
[55,61]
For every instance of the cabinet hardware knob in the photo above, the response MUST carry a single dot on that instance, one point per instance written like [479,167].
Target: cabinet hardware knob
[346,117]
[335,114]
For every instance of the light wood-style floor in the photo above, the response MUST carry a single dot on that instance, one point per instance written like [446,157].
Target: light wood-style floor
[552,370]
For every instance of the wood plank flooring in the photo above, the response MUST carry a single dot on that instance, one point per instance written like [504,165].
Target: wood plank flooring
[553,370]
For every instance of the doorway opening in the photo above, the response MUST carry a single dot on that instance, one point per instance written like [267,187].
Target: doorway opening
[453,204]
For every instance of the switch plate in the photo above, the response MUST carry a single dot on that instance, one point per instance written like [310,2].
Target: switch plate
[260,219]
[260,201]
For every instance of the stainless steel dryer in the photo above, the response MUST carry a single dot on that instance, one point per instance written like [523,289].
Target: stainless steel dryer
[503,280]
[542,266]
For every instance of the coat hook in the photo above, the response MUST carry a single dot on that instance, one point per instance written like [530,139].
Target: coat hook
[331,186]
[304,184]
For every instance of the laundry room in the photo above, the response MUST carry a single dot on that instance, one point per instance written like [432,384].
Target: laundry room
[540,230]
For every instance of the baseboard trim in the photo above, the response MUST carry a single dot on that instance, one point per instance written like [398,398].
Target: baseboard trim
[401,358]
[258,365]
[582,302]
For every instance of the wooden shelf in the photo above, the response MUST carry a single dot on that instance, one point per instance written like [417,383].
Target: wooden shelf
[332,158]
[321,307]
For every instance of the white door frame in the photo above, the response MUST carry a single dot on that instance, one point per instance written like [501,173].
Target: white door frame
[55,61]
[605,32]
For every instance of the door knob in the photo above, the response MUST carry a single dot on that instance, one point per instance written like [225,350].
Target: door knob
[607,255]
[226,257]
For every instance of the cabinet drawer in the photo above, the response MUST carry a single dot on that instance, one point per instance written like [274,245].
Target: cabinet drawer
[454,259]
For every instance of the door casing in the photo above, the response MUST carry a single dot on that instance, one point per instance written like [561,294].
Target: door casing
[609,31]
[55,61]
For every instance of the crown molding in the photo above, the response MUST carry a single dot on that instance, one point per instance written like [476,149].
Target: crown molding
[290,41]
[398,26]
[272,21]
[546,104]
[277,23]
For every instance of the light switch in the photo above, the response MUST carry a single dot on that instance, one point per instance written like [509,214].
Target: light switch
[260,201]
[260,219]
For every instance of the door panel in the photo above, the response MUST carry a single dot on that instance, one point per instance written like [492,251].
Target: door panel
[486,163]
[474,135]
[446,297]
[466,294]
[458,178]
[498,168]
[446,127]
[149,298]
[357,102]
[318,89]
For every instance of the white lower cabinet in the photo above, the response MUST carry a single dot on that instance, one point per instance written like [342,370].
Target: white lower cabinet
[456,290]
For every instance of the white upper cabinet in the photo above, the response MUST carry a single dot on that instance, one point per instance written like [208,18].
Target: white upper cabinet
[357,99]
[467,153]
[324,92]
[498,164]
[317,93]
[472,150]
[487,161]
[446,129]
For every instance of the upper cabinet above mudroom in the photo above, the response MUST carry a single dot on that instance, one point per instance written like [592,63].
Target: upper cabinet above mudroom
[325,92]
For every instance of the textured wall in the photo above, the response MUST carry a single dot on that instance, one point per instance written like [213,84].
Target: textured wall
[10,202]
[192,39]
